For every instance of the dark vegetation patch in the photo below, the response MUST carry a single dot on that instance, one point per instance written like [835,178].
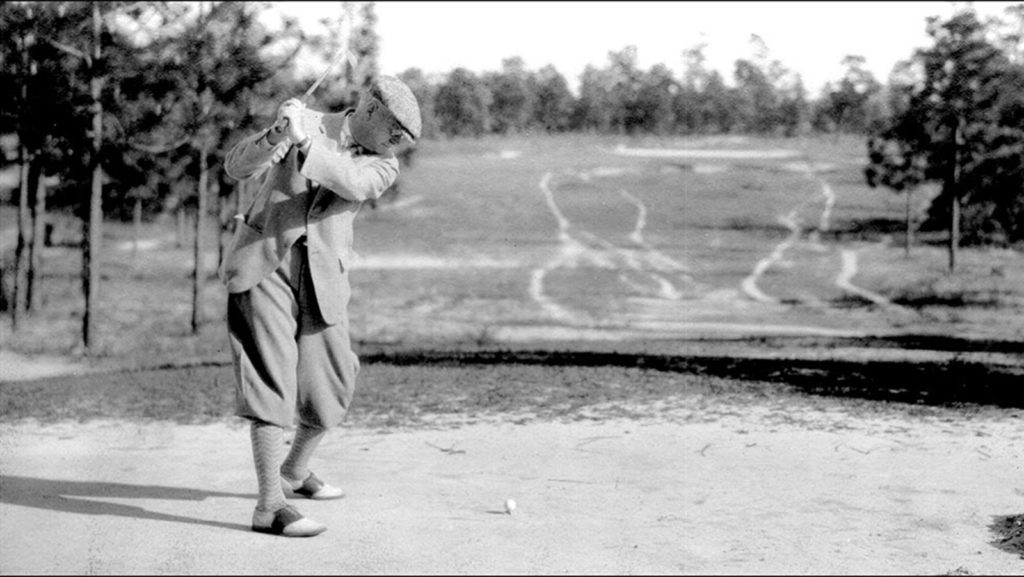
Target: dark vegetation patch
[918,297]
[923,382]
[946,343]
[749,224]
[873,229]
[1009,530]
[403,387]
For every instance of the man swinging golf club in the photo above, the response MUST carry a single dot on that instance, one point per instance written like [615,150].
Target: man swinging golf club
[286,272]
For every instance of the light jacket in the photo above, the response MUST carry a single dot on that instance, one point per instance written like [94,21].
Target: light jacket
[316,197]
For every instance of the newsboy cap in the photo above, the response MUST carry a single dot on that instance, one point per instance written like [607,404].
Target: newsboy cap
[399,99]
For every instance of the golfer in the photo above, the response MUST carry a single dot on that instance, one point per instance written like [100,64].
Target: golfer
[286,272]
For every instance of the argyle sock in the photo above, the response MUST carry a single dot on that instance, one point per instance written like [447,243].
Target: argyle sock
[267,440]
[296,465]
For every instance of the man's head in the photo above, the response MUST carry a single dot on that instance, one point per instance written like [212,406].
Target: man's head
[387,115]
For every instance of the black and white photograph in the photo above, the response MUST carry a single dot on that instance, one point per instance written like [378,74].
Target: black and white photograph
[495,288]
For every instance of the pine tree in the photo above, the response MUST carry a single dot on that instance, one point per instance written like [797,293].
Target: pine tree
[959,125]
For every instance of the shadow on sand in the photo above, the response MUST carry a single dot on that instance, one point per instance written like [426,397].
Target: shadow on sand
[86,498]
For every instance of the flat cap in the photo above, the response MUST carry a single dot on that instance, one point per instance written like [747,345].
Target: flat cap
[400,100]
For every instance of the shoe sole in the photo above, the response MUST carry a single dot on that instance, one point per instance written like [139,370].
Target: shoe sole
[271,531]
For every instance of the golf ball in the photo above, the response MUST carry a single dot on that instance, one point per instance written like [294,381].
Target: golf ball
[510,506]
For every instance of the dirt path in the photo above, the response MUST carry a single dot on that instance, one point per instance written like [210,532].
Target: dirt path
[700,486]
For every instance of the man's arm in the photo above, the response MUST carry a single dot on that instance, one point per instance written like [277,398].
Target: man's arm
[355,178]
[253,155]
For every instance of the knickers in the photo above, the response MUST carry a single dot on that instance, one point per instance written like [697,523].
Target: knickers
[289,363]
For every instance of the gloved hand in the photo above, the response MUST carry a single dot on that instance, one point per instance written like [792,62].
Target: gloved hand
[289,120]
[279,153]
[288,125]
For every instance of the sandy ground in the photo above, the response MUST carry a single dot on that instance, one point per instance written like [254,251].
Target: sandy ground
[18,367]
[704,485]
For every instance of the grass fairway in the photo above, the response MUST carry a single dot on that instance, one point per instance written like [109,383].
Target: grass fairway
[580,238]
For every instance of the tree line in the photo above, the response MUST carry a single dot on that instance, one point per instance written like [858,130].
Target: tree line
[126,110]
[764,98]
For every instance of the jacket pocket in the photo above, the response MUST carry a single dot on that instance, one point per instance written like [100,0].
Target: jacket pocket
[248,258]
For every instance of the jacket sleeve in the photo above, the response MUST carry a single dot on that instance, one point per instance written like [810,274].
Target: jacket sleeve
[251,156]
[355,178]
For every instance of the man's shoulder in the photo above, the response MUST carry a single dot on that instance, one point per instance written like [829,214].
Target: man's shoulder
[327,118]
[330,124]
[336,116]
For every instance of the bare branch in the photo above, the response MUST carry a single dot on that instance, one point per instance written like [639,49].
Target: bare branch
[154,149]
[69,49]
[291,55]
[131,6]
[164,9]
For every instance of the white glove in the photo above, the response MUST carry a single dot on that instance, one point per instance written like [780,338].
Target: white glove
[279,153]
[289,119]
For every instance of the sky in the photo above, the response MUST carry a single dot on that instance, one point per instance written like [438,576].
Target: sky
[809,38]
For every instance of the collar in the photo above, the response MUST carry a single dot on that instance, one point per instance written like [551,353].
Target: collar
[346,131]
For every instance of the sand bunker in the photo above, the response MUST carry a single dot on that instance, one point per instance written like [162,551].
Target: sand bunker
[710,168]
[504,154]
[144,244]
[419,261]
[805,166]
[705,153]
[18,367]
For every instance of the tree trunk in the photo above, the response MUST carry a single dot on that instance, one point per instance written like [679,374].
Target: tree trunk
[218,209]
[136,230]
[908,239]
[93,233]
[35,259]
[954,232]
[232,207]
[20,301]
[197,270]
[179,214]
[21,251]
[954,213]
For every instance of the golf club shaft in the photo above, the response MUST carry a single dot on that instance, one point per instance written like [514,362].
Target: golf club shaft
[339,54]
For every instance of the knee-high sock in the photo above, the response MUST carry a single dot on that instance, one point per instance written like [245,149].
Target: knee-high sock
[296,465]
[267,441]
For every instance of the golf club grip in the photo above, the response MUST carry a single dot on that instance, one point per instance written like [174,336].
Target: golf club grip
[281,126]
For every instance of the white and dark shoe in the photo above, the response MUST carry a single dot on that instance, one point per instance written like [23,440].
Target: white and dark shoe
[287,522]
[312,488]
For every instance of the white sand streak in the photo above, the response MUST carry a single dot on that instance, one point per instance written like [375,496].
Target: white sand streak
[427,262]
[749,284]
[637,235]
[826,213]
[703,153]
[830,201]
[563,223]
[569,252]
[653,257]
[586,247]
[657,259]
[847,273]
[848,256]
[599,252]
[671,330]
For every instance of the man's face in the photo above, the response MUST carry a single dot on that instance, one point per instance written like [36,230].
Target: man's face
[376,128]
